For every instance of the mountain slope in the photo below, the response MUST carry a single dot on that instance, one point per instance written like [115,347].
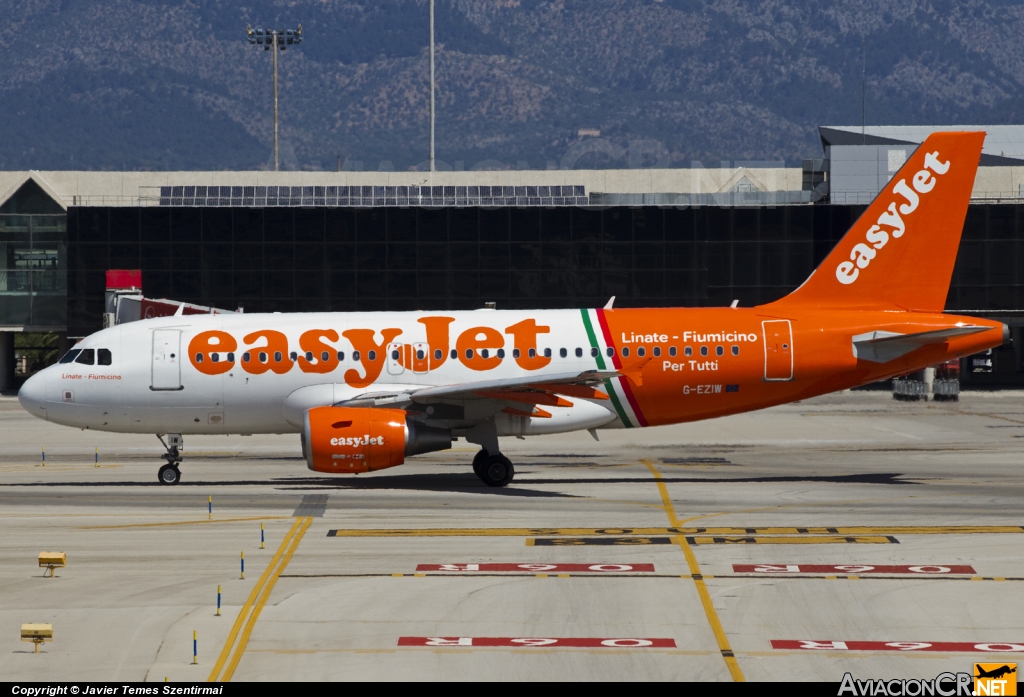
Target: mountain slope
[165,84]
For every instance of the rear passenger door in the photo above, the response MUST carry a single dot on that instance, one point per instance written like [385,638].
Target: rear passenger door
[778,349]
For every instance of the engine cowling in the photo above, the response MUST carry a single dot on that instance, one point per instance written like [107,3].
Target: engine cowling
[352,440]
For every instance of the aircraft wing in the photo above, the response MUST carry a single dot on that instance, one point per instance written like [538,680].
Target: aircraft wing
[883,346]
[559,383]
[529,391]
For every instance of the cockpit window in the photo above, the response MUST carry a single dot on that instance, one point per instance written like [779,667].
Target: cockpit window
[70,356]
[103,357]
[87,357]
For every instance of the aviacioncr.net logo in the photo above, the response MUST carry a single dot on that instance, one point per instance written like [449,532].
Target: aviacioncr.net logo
[944,685]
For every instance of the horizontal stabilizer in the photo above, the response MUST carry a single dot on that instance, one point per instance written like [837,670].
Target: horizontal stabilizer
[882,346]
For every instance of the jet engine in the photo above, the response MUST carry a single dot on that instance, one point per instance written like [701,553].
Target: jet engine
[352,440]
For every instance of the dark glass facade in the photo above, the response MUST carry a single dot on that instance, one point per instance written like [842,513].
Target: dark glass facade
[346,259]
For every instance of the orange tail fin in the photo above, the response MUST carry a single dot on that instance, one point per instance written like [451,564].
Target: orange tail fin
[900,253]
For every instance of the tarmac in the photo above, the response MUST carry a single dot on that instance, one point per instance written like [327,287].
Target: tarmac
[849,533]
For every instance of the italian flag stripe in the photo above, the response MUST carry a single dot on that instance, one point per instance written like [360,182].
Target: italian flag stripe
[614,391]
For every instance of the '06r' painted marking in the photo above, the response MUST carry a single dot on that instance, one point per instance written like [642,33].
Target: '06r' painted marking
[536,568]
[534,642]
[941,646]
[923,569]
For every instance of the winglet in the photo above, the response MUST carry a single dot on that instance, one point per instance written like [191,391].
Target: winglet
[635,372]
[611,301]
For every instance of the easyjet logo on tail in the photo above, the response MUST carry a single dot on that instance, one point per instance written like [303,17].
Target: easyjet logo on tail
[891,222]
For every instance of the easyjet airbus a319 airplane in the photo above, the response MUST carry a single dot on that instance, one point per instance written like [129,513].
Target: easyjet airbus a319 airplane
[367,390]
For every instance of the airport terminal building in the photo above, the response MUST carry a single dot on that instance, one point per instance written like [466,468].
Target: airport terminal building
[347,241]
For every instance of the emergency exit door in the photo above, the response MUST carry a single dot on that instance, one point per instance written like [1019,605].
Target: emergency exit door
[778,349]
[166,359]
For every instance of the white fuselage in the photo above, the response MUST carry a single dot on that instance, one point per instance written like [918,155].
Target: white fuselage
[154,385]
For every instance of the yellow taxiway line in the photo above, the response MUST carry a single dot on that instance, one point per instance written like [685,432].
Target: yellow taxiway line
[698,580]
[181,522]
[270,574]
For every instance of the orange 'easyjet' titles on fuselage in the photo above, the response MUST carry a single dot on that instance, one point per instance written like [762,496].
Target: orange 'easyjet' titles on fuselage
[437,339]
[371,354]
[208,352]
[325,356]
[524,340]
[272,355]
[472,344]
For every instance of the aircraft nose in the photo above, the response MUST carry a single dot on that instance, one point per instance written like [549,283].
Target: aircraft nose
[32,396]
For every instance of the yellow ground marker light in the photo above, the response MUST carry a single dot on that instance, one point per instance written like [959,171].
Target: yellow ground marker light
[37,633]
[51,561]
[243,565]
[195,648]
[218,600]
[261,537]
[209,506]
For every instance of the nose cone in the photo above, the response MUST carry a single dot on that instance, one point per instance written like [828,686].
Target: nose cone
[32,395]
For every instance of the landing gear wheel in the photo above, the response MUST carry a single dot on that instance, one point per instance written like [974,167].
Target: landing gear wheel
[496,470]
[169,474]
[478,461]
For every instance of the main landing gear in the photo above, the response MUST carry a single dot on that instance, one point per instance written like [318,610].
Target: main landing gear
[494,470]
[169,473]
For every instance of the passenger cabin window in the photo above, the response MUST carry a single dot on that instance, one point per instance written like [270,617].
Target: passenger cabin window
[735,350]
[579,353]
[70,356]
[341,356]
[469,353]
[103,357]
[516,353]
[455,354]
[547,353]
[594,352]
[394,355]
[277,356]
[263,357]
[562,353]
[421,354]
[532,353]
[231,357]
[325,356]
[641,352]
[438,353]
[501,353]
[610,351]
[372,355]
[625,351]
[246,357]
[703,350]
[719,351]
[672,351]
[355,356]
[86,357]
[309,356]
[657,351]
[687,351]
[484,353]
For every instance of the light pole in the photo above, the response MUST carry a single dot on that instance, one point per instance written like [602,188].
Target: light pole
[431,85]
[273,39]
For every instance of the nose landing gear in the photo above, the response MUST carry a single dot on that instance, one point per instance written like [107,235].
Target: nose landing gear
[169,473]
